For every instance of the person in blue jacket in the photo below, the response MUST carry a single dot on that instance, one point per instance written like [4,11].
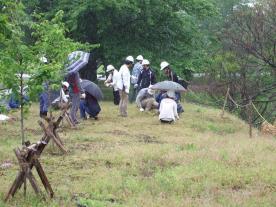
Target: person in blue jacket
[44,101]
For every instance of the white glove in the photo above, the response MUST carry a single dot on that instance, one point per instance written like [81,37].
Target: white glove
[136,85]
[83,95]
[141,109]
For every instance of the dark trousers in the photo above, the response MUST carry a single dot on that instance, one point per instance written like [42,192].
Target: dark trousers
[116,97]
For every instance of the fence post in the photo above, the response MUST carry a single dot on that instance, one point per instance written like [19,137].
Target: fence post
[250,117]
[225,102]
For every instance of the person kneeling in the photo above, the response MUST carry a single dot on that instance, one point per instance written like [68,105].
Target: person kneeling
[145,99]
[168,108]
[89,105]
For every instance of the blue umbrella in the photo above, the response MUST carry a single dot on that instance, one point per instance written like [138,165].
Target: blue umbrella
[76,61]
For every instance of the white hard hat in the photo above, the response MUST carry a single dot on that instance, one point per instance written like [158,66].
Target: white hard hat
[130,59]
[109,68]
[145,62]
[171,94]
[43,59]
[139,58]
[163,65]
[64,83]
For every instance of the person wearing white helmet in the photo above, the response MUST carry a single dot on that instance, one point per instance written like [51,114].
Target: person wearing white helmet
[137,68]
[145,99]
[63,98]
[172,76]
[124,85]
[111,81]
[146,77]
[168,108]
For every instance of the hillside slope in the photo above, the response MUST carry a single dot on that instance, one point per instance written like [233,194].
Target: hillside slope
[202,160]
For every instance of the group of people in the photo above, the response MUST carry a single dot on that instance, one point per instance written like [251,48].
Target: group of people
[71,91]
[127,86]
[136,85]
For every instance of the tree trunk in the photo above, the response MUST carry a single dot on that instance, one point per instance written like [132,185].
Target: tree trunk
[22,109]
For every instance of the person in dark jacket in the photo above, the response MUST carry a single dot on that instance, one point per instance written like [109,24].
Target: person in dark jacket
[90,106]
[146,77]
[44,101]
[172,76]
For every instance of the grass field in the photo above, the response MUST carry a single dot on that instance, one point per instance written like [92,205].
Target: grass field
[202,160]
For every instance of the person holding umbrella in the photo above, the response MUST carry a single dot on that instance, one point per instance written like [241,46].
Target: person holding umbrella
[89,105]
[124,85]
[172,76]
[76,61]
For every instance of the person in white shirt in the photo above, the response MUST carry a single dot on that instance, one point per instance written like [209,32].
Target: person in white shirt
[63,96]
[168,108]
[124,85]
[112,81]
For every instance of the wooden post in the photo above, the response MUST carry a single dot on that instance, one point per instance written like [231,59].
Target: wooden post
[250,117]
[28,156]
[225,102]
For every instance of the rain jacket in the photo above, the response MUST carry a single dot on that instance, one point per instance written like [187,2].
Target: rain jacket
[124,79]
[74,84]
[142,95]
[146,78]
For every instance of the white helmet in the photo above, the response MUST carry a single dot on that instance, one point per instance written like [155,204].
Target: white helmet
[150,90]
[109,68]
[43,59]
[139,58]
[64,83]
[145,62]
[171,94]
[130,59]
[163,65]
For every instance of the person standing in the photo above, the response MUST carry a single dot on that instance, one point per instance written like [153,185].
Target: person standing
[124,85]
[137,69]
[75,92]
[112,80]
[172,76]
[44,101]
[146,77]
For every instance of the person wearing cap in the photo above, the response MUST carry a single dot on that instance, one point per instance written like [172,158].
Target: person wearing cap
[63,96]
[145,100]
[137,69]
[75,92]
[146,77]
[124,85]
[111,81]
[168,108]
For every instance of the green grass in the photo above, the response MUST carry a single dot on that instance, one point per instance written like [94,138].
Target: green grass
[202,160]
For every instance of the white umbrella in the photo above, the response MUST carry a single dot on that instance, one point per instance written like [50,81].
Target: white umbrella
[168,86]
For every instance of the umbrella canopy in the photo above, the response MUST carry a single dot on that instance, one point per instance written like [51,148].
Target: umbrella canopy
[76,61]
[92,88]
[168,86]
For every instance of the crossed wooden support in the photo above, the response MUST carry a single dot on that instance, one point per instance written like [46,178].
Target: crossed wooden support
[64,112]
[28,158]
